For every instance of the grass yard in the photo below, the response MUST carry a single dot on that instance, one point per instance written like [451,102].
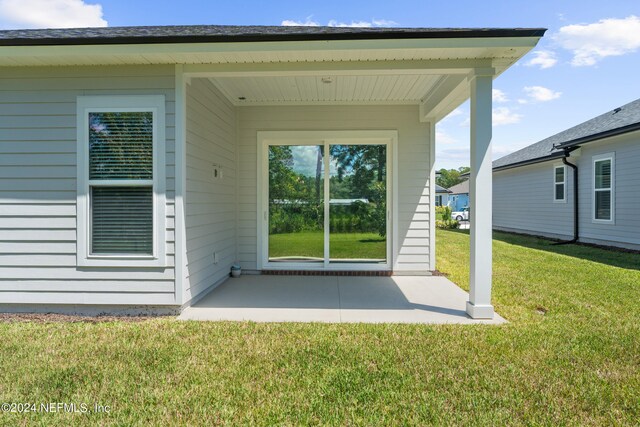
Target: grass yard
[570,355]
[341,245]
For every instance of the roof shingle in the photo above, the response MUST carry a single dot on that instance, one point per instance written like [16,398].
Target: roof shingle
[621,118]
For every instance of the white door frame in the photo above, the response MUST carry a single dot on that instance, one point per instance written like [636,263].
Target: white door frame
[368,137]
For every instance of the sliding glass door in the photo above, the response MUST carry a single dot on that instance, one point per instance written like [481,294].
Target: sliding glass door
[358,203]
[327,203]
[296,203]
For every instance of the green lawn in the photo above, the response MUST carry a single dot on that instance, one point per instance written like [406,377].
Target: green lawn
[570,355]
[341,245]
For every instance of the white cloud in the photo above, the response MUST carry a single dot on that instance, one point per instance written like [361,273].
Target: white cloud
[454,155]
[590,43]
[504,116]
[334,23]
[306,23]
[540,94]
[543,59]
[499,96]
[50,14]
[443,137]
[383,23]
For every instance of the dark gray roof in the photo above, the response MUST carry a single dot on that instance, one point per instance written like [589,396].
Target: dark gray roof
[441,189]
[620,120]
[462,188]
[231,33]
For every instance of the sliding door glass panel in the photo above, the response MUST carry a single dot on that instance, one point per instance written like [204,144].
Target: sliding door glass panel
[357,204]
[296,203]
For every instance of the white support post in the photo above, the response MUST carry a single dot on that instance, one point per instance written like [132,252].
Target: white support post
[480,194]
[432,194]
[180,184]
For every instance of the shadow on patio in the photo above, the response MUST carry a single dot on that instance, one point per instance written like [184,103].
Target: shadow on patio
[397,299]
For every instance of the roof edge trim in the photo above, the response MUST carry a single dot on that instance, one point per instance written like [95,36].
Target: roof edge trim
[553,156]
[596,136]
[264,37]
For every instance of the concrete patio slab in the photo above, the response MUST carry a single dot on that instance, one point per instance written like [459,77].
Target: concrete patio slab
[335,299]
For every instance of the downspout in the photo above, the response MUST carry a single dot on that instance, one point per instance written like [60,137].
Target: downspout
[576,226]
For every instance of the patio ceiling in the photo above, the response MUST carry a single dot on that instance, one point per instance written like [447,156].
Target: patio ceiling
[327,89]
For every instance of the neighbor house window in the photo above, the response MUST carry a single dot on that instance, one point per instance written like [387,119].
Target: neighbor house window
[438,200]
[603,194]
[120,181]
[559,184]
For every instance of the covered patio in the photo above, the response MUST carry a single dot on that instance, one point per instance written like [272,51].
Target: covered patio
[336,299]
[273,142]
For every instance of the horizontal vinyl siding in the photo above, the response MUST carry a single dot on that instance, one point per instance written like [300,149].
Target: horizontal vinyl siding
[626,230]
[210,203]
[38,187]
[523,201]
[413,173]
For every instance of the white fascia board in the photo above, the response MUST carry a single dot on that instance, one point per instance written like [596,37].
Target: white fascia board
[501,48]
[280,46]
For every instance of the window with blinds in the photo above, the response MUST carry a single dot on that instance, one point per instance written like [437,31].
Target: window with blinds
[121,145]
[559,184]
[603,189]
[121,182]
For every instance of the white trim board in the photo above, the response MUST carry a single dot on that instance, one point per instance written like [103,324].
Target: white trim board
[597,158]
[126,103]
[555,183]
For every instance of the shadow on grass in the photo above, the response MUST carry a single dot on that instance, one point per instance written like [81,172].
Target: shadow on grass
[608,256]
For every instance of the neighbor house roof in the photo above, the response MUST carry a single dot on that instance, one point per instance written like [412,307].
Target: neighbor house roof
[620,120]
[440,189]
[233,33]
[462,188]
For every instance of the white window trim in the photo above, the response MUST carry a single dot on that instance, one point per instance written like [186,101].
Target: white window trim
[155,104]
[388,137]
[564,184]
[594,160]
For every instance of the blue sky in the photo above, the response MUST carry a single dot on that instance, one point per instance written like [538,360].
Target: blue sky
[586,65]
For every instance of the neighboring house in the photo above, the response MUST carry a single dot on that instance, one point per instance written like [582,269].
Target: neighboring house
[135,162]
[442,196]
[459,197]
[533,189]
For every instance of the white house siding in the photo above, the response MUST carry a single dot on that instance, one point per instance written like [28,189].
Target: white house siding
[413,170]
[210,202]
[626,230]
[38,187]
[523,201]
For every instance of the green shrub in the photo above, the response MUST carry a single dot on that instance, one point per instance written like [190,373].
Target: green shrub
[443,212]
[447,224]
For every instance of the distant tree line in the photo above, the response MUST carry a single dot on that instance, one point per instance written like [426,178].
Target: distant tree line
[447,178]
